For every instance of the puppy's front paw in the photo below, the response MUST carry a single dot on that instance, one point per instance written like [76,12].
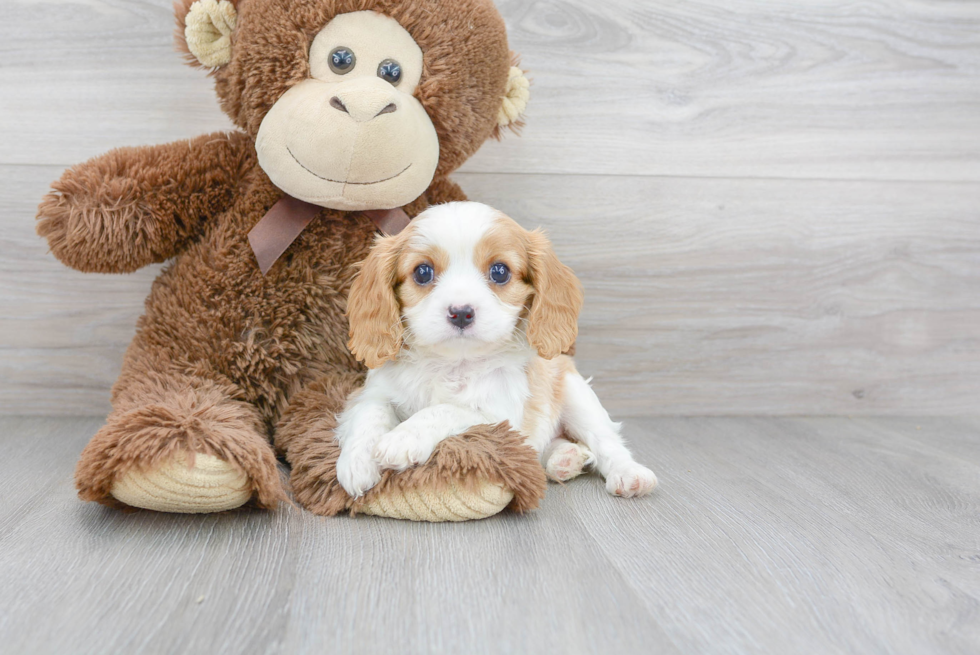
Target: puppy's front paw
[357,473]
[630,479]
[401,448]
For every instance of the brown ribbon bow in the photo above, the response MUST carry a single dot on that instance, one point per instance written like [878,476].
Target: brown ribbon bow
[286,220]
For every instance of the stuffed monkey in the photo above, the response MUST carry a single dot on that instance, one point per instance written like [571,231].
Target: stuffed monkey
[351,115]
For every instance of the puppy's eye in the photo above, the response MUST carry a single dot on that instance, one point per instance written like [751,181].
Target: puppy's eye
[499,273]
[342,60]
[423,274]
[390,71]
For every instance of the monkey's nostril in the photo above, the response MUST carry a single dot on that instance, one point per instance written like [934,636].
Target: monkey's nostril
[388,109]
[338,105]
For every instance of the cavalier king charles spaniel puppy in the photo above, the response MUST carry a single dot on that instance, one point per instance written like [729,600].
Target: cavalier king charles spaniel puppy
[462,319]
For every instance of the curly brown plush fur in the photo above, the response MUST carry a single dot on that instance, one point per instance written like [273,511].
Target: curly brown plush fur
[222,351]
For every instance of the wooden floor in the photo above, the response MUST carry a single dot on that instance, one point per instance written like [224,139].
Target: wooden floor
[767,536]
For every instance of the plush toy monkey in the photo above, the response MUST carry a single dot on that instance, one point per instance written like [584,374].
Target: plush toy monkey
[345,108]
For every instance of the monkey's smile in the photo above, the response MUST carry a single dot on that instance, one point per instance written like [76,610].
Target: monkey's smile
[327,179]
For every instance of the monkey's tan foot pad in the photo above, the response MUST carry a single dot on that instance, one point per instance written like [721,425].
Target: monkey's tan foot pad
[448,503]
[209,485]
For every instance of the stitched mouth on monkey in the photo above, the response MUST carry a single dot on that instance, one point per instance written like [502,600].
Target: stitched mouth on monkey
[327,179]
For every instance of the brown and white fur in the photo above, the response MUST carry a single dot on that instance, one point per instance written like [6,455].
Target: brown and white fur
[462,348]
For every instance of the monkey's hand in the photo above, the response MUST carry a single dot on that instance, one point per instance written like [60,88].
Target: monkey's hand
[135,206]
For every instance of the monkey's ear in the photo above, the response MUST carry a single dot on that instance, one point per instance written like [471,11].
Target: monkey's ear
[514,101]
[204,30]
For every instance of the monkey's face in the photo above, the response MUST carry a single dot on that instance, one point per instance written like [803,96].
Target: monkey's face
[353,136]
[343,110]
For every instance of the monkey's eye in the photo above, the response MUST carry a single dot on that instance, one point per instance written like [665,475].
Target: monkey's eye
[499,273]
[342,60]
[390,71]
[423,274]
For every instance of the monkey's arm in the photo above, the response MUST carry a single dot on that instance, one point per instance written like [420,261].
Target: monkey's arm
[135,206]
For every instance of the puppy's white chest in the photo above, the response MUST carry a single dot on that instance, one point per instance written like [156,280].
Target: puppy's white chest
[456,383]
[496,391]
[468,385]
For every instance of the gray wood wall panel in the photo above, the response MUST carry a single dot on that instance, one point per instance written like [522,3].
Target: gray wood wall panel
[829,88]
[774,206]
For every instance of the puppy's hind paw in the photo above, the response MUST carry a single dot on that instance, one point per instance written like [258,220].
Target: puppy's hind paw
[631,479]
[567,461]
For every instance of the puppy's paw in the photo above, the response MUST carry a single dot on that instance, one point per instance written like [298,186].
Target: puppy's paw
[567,461]
[357,473]
[630,479]
[401,448]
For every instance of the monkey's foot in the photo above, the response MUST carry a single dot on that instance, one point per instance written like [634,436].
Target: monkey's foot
[191,450]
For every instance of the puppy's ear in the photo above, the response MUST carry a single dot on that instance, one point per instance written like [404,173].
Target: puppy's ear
[552,322]
[372,307]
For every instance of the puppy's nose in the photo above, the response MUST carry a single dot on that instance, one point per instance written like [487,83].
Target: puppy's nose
[461,316]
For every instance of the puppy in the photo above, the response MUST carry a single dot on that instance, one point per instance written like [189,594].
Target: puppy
[462,319]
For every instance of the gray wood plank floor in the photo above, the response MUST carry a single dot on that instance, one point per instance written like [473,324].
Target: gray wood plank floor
[768,535]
